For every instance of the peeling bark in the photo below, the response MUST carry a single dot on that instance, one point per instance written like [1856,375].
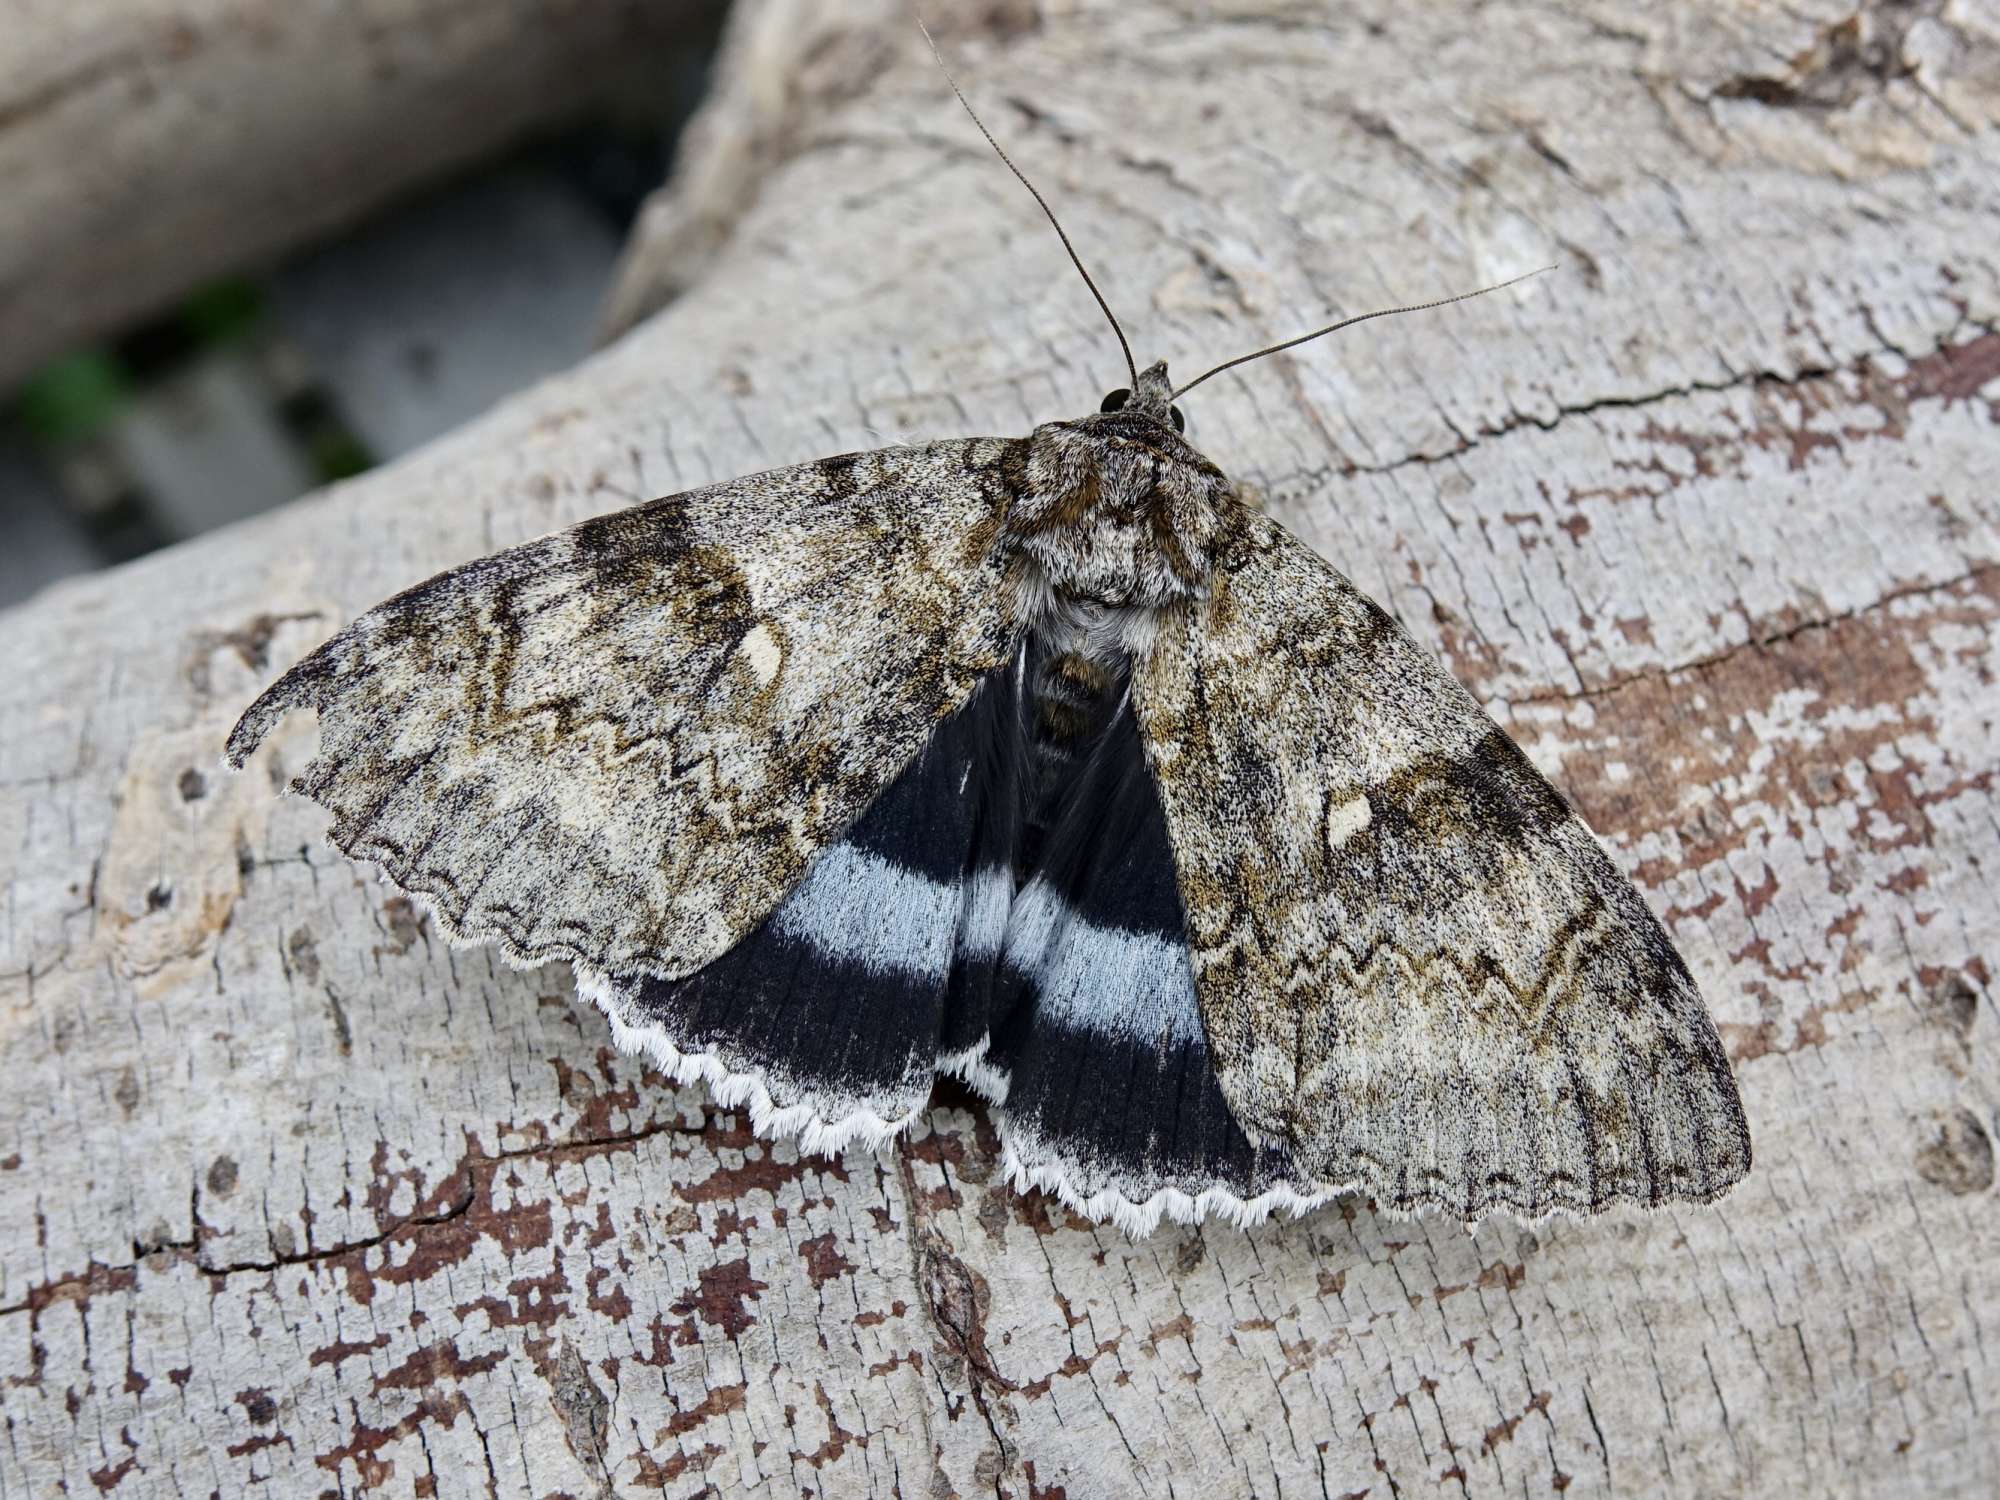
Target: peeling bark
[298,1196]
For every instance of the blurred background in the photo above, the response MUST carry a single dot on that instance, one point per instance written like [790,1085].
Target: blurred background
[249,247]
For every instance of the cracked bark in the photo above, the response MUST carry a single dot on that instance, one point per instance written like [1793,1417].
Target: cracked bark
[1724,555]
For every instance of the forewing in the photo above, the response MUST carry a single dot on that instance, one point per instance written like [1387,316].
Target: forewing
[1417,968]
[624,743]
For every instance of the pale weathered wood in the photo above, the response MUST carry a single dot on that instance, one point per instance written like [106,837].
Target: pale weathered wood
[148,144]
[783,64]
[294,1194]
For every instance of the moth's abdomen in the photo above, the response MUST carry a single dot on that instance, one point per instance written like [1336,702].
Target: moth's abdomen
[1072,700]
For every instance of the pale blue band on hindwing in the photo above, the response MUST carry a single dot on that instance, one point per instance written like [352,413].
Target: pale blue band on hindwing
[1134,985]
[869,911]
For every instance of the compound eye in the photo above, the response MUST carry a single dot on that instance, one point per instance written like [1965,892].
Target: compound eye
[1116,400]
[1180,422]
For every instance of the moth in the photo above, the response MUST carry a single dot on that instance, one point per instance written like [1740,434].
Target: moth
[1052,764]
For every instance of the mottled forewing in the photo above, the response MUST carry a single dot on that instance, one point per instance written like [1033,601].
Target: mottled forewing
[1416,966]
[624,743]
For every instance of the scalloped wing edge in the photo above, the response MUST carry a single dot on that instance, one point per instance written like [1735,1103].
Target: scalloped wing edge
[370,857]
[826,1128]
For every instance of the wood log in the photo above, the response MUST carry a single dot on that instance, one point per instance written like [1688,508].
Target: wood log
[299,1200]
[147,145]
[783,65]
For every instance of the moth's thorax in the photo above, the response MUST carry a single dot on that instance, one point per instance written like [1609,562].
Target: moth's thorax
[1114,516]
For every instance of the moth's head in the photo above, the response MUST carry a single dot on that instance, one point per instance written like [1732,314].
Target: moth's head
[1140,421]
[1118,508]
[1152,398]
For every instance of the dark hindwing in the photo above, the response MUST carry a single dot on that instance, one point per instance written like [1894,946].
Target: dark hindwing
[829,1019]
[1111,1100]
[1420,974]
[625,743]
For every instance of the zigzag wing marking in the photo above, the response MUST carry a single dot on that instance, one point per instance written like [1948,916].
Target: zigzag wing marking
[1418,971]
[624,743]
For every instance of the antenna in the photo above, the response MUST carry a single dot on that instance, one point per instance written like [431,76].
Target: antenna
[1244,359]
[1075,260]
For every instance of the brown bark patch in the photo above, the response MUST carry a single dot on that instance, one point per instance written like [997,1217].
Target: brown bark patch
[720,1297]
